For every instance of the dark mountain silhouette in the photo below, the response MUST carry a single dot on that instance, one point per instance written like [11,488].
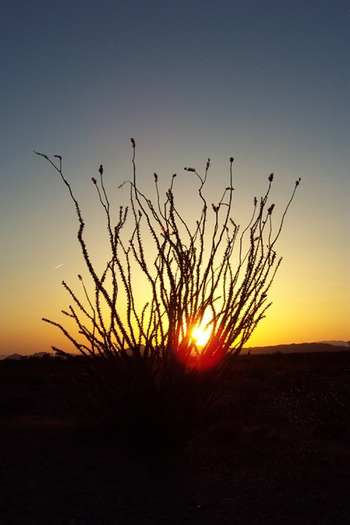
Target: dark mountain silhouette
[299,348]
[14,357]
[322,346]
[337,343]
[19,357]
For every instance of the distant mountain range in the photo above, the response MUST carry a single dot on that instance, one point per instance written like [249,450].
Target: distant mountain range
[338,343]
[321,346]
[20,357]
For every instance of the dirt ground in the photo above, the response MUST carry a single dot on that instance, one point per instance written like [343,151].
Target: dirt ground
[281,456]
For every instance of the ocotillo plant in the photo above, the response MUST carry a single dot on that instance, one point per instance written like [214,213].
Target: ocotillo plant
[161,361]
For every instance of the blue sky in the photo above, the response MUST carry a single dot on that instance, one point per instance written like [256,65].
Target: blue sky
[266,82]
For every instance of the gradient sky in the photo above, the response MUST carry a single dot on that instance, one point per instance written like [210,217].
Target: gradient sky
[264,81]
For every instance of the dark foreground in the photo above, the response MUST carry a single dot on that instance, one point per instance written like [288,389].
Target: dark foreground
[278,455]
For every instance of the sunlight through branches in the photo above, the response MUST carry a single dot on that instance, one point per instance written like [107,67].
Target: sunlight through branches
[206,284]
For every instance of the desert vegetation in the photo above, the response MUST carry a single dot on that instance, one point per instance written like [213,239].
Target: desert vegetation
[158,363]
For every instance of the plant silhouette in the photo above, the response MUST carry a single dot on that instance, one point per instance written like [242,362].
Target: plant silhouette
[149,373]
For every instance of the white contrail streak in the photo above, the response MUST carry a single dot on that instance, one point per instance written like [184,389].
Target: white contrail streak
[59,266]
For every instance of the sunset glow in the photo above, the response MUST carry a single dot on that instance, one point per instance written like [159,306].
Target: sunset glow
[200,334]
[227,85]
[200,348]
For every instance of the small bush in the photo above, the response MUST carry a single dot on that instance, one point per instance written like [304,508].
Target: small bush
[153,374]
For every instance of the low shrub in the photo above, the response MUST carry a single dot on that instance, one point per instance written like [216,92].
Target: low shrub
[157,367]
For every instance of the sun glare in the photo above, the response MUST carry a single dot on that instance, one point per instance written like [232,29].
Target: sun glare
[200,348]
[200,335]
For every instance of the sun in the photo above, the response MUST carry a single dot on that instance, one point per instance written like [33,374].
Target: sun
[200,347]
[201,333]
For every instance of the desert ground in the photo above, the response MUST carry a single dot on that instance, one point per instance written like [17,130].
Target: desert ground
[278,454]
